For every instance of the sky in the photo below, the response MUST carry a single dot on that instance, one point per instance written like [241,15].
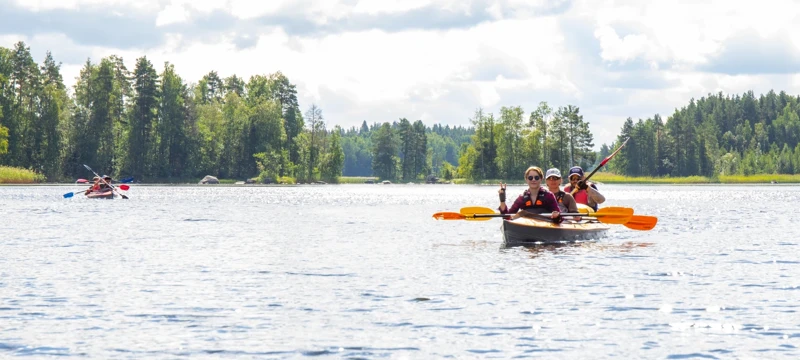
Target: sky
[439,60]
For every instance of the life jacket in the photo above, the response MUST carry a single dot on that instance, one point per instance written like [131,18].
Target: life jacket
[560,199]
[581,196]
[560,196]
[529,202]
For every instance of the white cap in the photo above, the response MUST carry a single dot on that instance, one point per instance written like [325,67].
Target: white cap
[553,172]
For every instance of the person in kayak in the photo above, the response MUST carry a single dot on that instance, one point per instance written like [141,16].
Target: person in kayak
[536,199]
[566,203]
[587,193]
[95,185]
[105,185]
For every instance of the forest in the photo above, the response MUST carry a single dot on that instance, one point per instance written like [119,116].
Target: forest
[159,127]
[715,135]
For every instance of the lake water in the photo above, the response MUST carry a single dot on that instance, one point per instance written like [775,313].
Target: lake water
[363,271]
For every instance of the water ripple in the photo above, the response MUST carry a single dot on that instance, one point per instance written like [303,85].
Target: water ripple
[323,275]
[197,271]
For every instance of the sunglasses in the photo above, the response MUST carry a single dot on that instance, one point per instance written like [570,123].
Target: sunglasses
[531,177]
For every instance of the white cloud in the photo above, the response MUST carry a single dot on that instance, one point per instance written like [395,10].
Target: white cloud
[203,6]
[623,49]
[173,13]
[40,5]
[613,59]
[246,9]
[388,6]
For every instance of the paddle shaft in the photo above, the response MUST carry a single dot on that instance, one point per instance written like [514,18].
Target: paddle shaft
[608,215]
[603,163]
[488,215]
[544,216]
[478,211]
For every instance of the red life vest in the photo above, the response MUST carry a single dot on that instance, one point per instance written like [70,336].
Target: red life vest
[581,196]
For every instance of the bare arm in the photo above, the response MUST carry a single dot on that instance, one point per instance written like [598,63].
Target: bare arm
[595,195]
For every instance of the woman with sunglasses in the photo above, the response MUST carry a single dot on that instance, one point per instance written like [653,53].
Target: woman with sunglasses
[566,203]
[535,199]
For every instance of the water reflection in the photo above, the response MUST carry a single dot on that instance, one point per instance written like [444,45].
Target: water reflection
[566,248]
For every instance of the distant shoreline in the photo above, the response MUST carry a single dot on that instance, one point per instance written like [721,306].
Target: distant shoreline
[184,184]
[608,178]
[16,176]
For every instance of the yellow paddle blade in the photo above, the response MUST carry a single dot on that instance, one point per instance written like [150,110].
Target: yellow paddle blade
[642,222]
[617,211]
[585,209]
[613,210]
[606,210]
[449,215]
[613,215]
[472,210]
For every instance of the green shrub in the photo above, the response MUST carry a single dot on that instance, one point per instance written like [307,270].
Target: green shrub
[12,175]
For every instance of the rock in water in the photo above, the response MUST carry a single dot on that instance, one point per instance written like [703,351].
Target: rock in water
[209,180]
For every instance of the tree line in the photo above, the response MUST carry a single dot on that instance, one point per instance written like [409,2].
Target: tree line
[159,127]
[156,126]
[504,146]
[402,150]
[715,135]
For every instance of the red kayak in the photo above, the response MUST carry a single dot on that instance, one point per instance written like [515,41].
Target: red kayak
[101,194]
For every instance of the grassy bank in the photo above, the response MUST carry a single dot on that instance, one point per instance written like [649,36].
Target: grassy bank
[356,179]
[600,177]
[12,175]
[722,179]
[608,178]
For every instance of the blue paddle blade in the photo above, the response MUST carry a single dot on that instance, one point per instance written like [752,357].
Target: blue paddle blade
[127,179]
[68,195]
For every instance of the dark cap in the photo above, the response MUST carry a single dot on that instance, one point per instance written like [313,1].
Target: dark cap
[575,170]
